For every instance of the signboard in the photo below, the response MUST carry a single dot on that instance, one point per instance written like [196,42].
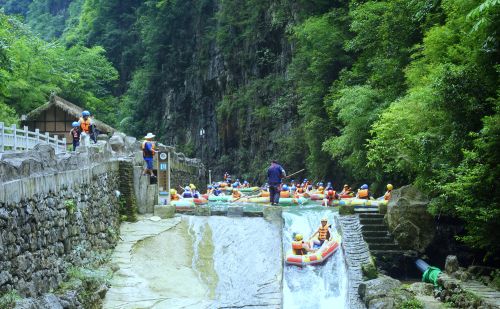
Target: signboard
[163,178]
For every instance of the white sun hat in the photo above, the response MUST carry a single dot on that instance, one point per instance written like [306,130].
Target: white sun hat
[149,135]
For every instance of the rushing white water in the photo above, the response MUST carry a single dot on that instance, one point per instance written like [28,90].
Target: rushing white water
[319,286]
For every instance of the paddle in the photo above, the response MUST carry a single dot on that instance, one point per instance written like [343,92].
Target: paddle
[288,176]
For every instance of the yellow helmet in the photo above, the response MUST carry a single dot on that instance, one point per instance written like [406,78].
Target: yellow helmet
[324,219]
[192,186]
[298,237]
[389,187]
[173,191]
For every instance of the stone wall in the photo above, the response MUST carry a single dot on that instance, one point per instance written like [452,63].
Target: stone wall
[61,211]
[55,212]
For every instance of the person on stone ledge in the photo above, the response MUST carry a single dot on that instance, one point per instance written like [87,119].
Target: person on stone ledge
[75,134]
[148,153]
[275,174]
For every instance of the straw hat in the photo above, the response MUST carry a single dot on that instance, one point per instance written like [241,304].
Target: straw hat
[149,135]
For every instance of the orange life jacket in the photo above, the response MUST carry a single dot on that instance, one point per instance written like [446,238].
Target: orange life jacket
[223,185]
[323,232]
[388,195]
[146,153]
[331,193]
[85,124]
[298,247]
[300,190]
[363,194]
[284,194]
[175,197]
[236,194]
[264,194]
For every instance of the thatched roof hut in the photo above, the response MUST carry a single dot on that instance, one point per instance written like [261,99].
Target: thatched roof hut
[56,117]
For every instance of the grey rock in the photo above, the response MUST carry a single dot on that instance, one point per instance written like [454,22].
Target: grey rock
[451,265]
[421,288]
[4,277]
[117,143]
[377,288]
[381,303]
[408,219]
[164,211]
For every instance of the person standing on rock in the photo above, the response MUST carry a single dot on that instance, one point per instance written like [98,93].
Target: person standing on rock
[148,153]
[274,175]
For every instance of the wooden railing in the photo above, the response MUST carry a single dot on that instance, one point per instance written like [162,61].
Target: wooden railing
[13,139]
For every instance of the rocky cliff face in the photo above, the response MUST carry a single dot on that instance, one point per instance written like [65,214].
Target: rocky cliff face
[217,88]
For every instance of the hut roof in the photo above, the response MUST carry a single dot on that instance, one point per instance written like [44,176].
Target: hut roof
[69,108]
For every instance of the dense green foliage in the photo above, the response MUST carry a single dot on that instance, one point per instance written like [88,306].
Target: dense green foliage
[30,69]
[399,91]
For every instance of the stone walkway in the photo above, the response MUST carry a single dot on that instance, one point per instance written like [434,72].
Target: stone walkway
[490,297]
[356,254]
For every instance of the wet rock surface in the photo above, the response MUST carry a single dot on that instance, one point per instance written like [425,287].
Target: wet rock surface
[175,263]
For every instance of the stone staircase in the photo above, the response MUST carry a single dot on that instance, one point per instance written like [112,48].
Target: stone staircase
[356,254]
[387,253]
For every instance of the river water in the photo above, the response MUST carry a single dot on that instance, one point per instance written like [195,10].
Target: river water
[315,286]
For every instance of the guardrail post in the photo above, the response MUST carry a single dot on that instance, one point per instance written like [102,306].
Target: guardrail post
[37,136]
[47,138]
[27,137]
[64,144]
[2,137]
[56,143]
[14,134]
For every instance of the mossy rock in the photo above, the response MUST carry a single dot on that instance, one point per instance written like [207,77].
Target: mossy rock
[346,210]
[369,270]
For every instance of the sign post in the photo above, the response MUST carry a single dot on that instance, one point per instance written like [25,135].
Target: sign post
[163,178]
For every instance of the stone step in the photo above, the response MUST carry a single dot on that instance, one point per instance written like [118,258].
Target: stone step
[375,233]
[382,240]
[377,252]
[370,215]
[374,227]
[383,246]
[366,221]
